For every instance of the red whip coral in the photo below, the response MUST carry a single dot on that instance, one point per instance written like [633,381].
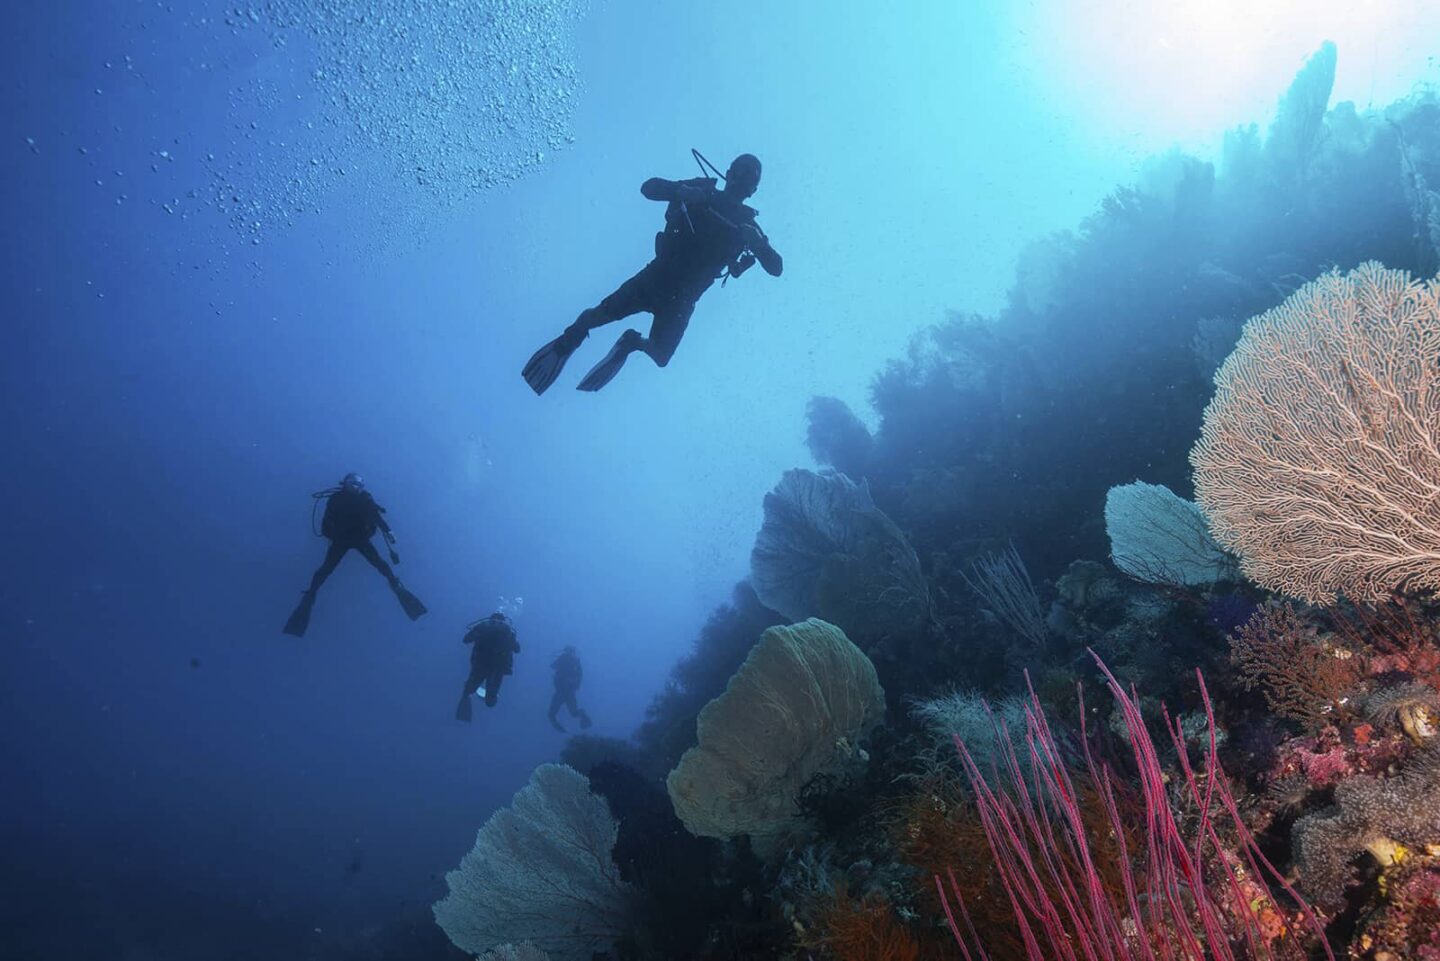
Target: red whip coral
[1187,892]
[1319,460]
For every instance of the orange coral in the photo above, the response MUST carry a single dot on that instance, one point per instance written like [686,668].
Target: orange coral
[865,929]
[936,832]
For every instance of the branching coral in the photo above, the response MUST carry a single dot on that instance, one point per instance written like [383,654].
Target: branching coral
[1302,678]
[1003,583]
[863,929]
[966,715]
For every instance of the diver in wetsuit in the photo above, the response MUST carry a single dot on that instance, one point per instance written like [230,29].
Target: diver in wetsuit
[492,657]
[568,674]
[351,519]
[707,232]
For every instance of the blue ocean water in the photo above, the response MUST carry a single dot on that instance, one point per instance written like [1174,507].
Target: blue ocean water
[251,247]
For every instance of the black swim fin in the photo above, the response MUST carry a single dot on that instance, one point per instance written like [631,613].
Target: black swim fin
[462,710]
[299,621]
[584,721]
[546,363]
[409,601]
[605,371]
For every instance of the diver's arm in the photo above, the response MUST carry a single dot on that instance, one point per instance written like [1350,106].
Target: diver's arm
[670,191]
[759,245]
[381,523]
[769,258]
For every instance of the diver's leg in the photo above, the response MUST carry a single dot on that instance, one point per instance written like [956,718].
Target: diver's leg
[631,297]
[332,561]
[545,365]
[492,689]
[462,707]
[666,330]
[555,701]
[367,550]
[576,711]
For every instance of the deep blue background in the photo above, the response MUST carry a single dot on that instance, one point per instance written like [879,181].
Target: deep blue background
[172,393]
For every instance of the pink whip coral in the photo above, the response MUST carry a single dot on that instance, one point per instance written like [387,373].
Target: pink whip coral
[1196,887]
[1319,460]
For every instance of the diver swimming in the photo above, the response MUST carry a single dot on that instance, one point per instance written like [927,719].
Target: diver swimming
[568,674]
[708,233]
[493,647]
[351,519]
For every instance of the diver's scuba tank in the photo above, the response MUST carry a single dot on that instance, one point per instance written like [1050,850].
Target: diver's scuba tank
[316,498]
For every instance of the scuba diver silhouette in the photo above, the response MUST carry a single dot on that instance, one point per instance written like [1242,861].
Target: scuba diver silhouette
[351,519]
[568,675]
[492,658]
[707,233]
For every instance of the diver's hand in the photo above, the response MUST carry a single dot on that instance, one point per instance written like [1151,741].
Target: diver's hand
[751,236]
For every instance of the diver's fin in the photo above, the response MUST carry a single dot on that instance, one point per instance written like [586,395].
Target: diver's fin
[462,710]
[605,371]
[546,363]
[299,620]
[409,601]
[558,726]
[584,721]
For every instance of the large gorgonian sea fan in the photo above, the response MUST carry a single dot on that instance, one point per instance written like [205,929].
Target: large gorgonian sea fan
[1319,460]
[541,871]
[825,550]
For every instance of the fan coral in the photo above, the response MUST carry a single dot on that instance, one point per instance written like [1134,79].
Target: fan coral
[826,550]
[797,707]
[540,871]
[1303,679]
[1160,538]
[1318,458]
